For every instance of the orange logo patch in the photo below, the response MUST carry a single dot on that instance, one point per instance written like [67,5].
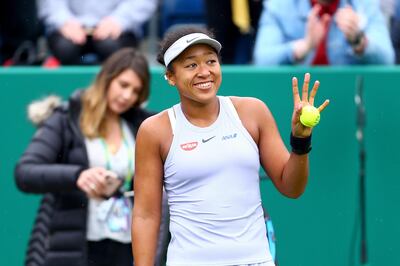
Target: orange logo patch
[189,146]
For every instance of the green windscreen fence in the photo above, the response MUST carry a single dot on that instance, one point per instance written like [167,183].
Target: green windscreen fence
[322,228]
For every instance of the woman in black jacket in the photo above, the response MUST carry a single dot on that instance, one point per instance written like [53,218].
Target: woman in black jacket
[82,159]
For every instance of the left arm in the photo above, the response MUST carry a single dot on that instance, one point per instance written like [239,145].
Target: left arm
[287,170]
[294,174]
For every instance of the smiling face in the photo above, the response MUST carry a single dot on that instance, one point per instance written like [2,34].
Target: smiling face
[196,73]
[123,91]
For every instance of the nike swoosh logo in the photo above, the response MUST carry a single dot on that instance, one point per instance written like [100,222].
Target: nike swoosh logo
[207,140]
[189,41]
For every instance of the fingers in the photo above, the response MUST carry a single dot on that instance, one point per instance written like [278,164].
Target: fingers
[115,33]
[92,187]
[348,22]
[73,31]
[92,190]
[304,97]
[93,181]
[299,102]
[325,20]
[295,87]
[107,28]
[298,108]
[314,92]
[322,106]
[306,83]
[313,15]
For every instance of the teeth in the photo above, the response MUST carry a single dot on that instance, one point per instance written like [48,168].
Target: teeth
[204,85]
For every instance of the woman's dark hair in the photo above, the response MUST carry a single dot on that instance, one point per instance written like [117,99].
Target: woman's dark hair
[172,36]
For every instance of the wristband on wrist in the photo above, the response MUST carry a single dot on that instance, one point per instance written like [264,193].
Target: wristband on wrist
[300,146]
[357,39]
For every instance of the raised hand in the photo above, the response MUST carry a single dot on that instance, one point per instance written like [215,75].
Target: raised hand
[298,129]
[348,22]
[316,27]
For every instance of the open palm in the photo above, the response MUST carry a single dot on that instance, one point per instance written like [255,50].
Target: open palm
[298,129]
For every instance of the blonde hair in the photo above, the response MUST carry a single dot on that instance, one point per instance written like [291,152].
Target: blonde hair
[94,99]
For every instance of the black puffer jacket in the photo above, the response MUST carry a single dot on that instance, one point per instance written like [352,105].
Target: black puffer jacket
[51,165]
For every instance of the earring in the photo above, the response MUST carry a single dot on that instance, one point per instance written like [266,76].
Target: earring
[170,82]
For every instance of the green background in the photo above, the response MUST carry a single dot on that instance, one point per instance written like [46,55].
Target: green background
[322,228]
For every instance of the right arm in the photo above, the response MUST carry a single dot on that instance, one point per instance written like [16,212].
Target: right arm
[39,169]
[43,168]
[148,183]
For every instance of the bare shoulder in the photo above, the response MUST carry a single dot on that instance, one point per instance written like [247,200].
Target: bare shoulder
[155,126]
[249,105]
[155,133]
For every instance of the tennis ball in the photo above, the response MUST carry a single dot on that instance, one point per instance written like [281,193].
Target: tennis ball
[309,116]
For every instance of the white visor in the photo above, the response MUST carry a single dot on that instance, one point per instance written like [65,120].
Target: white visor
[184,42]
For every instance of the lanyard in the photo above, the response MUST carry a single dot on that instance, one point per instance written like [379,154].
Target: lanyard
[107,154]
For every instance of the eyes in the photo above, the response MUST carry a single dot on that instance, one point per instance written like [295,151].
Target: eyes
[123,84]
[128,86]
[193,65]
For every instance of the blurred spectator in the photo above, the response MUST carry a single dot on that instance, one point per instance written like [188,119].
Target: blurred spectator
[323,32]
[395,30]
[181,13]
[387,7]
[81,159]
[19,31]
[237,35]
[82,32]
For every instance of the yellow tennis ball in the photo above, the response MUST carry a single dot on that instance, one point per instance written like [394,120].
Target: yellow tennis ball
[309,116]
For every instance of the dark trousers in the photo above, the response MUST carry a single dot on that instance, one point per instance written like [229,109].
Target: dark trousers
[109,253]
[69,53]
[238,47]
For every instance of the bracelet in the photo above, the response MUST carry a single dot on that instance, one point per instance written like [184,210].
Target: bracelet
[300,146]
[357,40]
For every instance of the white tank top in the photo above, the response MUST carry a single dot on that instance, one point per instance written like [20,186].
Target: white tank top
[211,177]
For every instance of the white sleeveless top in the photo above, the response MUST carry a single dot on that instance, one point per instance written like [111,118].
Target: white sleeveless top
[211,176]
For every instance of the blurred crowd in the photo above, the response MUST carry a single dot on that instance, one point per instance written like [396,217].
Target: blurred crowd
[51,33]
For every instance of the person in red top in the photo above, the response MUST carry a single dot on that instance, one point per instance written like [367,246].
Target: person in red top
[322,32]
[322,13]
[319,19]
